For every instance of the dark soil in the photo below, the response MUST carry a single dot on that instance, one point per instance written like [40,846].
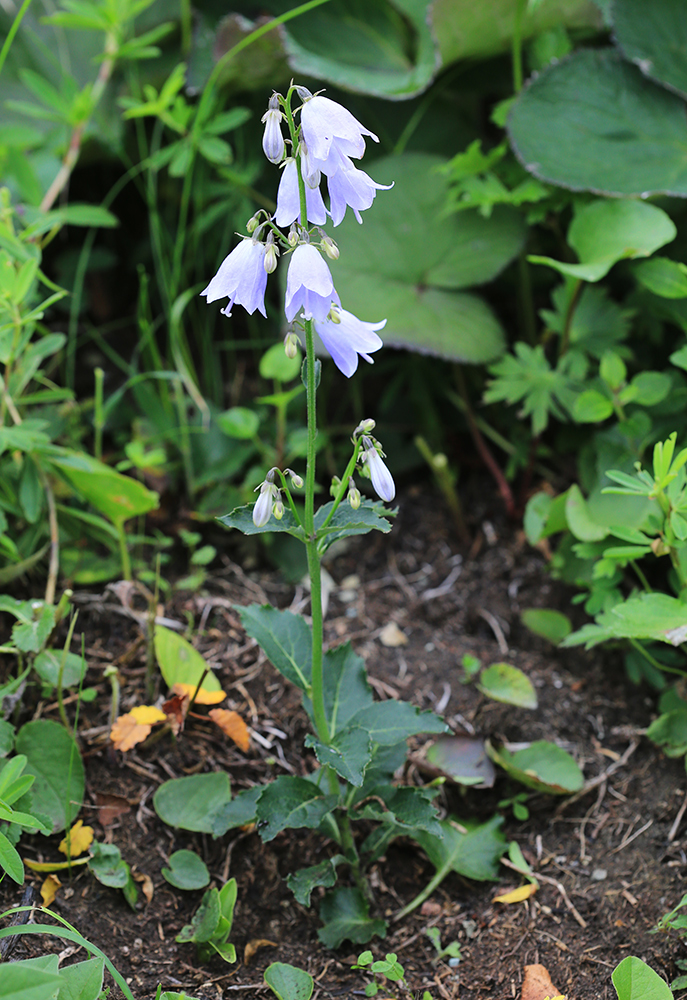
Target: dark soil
[614,851]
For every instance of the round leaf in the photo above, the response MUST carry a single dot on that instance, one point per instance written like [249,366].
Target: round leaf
[591,407]
[393,269]
[239,422]
[505,683]
[594,123]
[186,871]
[47,666]
[664,277]
[192,802]
[289,983]
[54,758]
[551,625]
[654,36]
[542,766]
[275,364]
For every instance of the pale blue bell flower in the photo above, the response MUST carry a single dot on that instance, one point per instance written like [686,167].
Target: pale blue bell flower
[326,124]
[309,285]
[242,278]
[262,511]
[289,203]
[346,337]
[382,480]
[348,186]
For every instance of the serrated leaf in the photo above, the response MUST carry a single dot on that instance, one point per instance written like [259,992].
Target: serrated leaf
[408,809]
[291,803]
[242,519]
[302,882]
[346,917]
[543,766]
[390,722]
[371,515]
[348,753]
[285,639]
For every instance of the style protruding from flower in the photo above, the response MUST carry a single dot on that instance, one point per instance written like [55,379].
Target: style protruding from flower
[270,495]
[382,480]
[242,278]
[323,141]
[273,140]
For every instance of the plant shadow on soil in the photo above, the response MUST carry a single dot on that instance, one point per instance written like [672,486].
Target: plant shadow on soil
[610,849]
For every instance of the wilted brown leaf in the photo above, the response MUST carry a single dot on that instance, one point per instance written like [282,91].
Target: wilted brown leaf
[49,889]
[537,984]
[135,726]
[253,946]
[232,725]
[80,839]
[110,807]
[146,884]
[175,708]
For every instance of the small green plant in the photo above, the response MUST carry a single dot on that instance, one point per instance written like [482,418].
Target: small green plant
[451,950]
[210,927]
[387,968]
[14,786]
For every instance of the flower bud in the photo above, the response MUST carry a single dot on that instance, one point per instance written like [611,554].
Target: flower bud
[273,140]
[364,427]
[278,510]
[353,495]
[311,174]
[293,236]
[330,247]
[303,93]
[252,224]
[334,488]
[291,345]
[270,259]
[263,505]
[296,480]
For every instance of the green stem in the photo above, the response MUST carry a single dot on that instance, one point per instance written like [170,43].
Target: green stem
[663,667]
[350,469]
[124,551]
[60,676]
[351,852]
[98,415]
[570,312]
[433,884]
[516,48]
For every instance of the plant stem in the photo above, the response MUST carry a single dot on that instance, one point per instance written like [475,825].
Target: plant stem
[569,314]
[433,883]
[487,457]
[516,48]
[60,676]
[54,563]
[123,551]
[98,415]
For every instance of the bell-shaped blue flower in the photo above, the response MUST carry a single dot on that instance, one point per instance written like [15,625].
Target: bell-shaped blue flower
[382,480]
[309,285]
[346,337]
[288,199]
[326,124]
[242,277]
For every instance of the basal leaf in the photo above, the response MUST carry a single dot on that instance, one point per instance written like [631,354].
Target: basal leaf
[593,122]
[53,757]
[186,871]
[289,983]
[474,854]
[654,36]
[239,812]
[635,980]
[193,802]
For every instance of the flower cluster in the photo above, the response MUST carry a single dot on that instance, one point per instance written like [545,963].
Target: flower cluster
[326,143]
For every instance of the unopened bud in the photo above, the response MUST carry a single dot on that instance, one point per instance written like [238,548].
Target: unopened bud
[334,488]
[278,510]
[296,480]
[440,461]
[293,236]
[330,248]
[252,224]
[270,259]
[303,93]
[353,495]
[291,345]
[273,140]
[364,427]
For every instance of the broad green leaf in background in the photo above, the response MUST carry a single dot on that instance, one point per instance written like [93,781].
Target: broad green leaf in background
[465,29]
[604,232]
[83,980]
[642,616]
[180,663]
[549,624]
[593,123]
[408,263]
[346,917]
[114,495]
[53,757]
[543,766]
[186,871]
[21,982]
[291,803]
[47,666]
[289,983]
[579,518]
[635,980]
[654,36]
[384,48]
[505,683]
[239,421]
[191,803]
[285,639]
[662,276]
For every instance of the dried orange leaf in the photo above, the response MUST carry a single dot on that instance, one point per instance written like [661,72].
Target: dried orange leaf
[253,946]
[204,697]
[232,725]
[537,984]
[127,732]
[49,889]
[79,840]
[517,895]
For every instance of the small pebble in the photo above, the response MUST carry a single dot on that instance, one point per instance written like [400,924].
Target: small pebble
[429,647]
[599,874]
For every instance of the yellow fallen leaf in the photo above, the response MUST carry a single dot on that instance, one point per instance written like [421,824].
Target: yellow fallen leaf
[232,725]
[147,714]
[135,726]
[517,895]
[49,889]
[146,884]
[253,946]
[80,839]
[54,866]
[204,697]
